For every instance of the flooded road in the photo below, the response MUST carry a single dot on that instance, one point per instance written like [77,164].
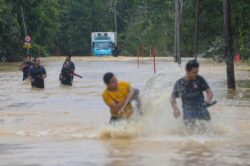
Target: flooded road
[68,126]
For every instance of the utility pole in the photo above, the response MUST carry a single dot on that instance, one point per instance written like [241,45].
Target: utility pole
[115,14]
[115,18]
[228,45]
[196,27]
[24,27]
[94,24]
[177,32]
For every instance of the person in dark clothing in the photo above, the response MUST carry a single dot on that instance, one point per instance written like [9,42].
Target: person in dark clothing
[66,76]
[190,89]
[25,67]
[68,72]
[37,74]
[71,64]
[115,50]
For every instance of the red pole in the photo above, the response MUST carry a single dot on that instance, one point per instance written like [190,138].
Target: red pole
[138,57]
[150,53]
[154,60]
[142,52]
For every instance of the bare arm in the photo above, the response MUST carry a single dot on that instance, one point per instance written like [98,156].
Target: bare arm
[138,102]
[22,66]
[136,97]
[119,107]
[30,78]
[75,74]
[128,99]
[116,107]
[133,95]
[173,103]
[177,112]
[210,95]
[44,76]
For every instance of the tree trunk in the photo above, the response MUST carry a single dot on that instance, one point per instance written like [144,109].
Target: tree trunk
[94,16]
[115,19]
[196,28]
[177,33]
[228,45]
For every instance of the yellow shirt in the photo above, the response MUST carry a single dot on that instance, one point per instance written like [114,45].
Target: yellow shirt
[117,96]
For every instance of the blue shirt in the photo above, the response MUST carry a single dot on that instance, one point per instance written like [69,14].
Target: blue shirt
[71,66]
[37,72]
[191,93]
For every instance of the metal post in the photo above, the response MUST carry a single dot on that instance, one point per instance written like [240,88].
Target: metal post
[177,32]
[196,28]
[154,52]
[115,19]
[142,52]
[138,57]
[228,45]
[24,27]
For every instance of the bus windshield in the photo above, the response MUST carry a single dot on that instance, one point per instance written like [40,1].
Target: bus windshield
[103,45]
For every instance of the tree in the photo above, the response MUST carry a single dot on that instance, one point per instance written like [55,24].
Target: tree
[77,20]
[229,45]
[9,30]
[67,25]
[112,5]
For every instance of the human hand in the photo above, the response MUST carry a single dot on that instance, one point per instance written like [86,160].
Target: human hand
[209,103]
[121,112]
[131,93]
[43,76]
[177,113]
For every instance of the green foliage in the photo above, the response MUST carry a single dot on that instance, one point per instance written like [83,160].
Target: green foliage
[41,19]
[78,19]
[9,29]
[241,22]
[67,25]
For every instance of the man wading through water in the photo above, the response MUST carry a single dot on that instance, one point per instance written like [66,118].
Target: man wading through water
[118,97]
[25,67]
[190,89]
[37,74]
[68,72]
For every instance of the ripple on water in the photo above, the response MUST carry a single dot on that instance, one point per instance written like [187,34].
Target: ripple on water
[17,105]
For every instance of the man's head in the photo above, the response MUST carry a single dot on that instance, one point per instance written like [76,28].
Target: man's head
[37,61]
[28,58]
[192,69]
[68,58]
[66,64]
[111,81]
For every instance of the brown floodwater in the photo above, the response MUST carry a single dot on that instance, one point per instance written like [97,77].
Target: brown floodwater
[68,126]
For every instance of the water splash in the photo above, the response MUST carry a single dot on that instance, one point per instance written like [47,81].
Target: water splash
[158,117]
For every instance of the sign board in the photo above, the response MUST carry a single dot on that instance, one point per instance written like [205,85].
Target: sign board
[27,45]
[27,38]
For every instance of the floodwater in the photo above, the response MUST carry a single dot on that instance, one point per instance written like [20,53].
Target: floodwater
[68,126]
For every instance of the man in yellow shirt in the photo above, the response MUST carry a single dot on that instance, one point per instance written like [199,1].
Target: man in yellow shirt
[118,96]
